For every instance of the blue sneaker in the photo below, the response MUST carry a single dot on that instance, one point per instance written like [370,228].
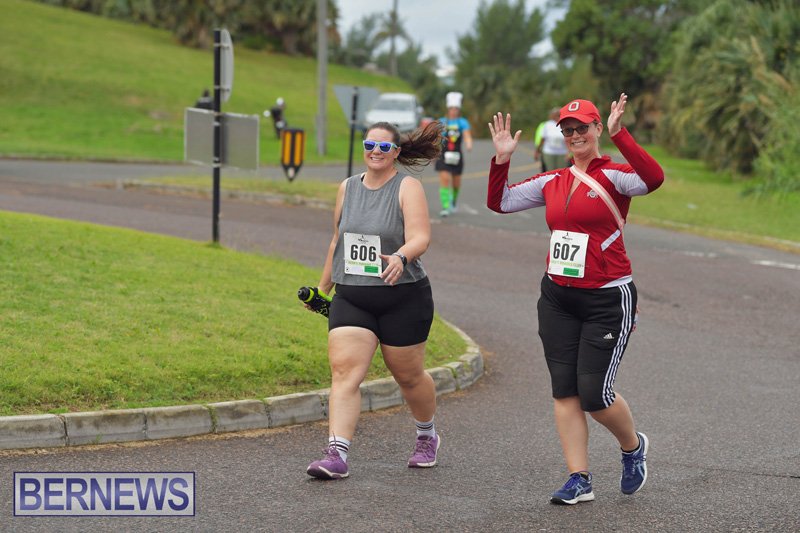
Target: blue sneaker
[634,467]
[576,489]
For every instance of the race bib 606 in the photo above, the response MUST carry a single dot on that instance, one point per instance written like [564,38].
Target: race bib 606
[361,254]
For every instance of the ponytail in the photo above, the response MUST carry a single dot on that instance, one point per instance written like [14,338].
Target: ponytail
[418,148]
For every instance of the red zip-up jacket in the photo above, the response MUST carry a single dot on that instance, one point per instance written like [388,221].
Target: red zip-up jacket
[607,263]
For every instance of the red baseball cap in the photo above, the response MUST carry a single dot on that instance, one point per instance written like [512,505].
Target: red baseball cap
[583,110]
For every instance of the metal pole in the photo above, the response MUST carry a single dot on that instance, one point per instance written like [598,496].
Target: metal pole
[352,131]
[322,73]
[217,133]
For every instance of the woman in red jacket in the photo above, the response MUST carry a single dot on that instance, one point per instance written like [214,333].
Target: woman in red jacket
[587,307]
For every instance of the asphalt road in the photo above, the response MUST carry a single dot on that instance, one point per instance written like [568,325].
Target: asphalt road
[711,374]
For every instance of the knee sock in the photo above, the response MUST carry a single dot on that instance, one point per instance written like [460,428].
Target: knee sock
[455,194]
[342,446]
[445,196]
[425,428]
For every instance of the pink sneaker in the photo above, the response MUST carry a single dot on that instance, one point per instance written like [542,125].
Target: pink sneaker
[332,466]
[425,452]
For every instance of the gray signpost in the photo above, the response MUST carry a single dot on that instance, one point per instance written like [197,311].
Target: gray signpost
[355,102]
[215,138]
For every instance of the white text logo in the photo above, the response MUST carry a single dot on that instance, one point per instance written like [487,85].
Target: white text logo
[104,493]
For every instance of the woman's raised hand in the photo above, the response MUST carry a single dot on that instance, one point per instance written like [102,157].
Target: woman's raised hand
[504,143]
[615,117]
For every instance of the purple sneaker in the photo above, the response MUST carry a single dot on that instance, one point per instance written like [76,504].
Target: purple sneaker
[332,466]
[425,452]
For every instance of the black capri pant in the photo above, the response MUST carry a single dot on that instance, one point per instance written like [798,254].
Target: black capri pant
[399,315]
[584,333]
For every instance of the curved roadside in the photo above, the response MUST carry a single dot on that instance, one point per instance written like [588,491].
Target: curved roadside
[708,371]
[153,423]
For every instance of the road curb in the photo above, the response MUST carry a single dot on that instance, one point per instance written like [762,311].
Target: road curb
[153,423]
[232,194]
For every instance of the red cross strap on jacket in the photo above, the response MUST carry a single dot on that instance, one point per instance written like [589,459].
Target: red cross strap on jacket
[584,212]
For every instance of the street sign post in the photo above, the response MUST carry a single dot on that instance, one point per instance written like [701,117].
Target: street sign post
[226,59]
[345,94]
[217,163]
[220,139]
[239,139]
[355,101]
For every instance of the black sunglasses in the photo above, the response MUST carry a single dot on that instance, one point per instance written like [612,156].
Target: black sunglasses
[583,128]
[385,147]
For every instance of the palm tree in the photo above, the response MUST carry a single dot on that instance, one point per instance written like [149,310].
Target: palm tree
[729,61]
[192,22]
[292,23]
[390,30]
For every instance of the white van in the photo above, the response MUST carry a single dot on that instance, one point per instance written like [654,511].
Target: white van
[400,109]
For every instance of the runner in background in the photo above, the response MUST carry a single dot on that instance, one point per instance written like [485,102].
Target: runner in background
[450,165]
[276,112]
[537,141]
[550,145]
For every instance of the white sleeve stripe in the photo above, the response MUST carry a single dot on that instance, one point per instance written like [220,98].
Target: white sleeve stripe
[627,183]
[525,195]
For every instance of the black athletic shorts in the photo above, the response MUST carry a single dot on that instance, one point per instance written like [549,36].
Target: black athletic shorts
[455,170]
[399,315]
[584,333]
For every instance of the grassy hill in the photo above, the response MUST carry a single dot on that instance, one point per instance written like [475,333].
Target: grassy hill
[75,85]
[95,317]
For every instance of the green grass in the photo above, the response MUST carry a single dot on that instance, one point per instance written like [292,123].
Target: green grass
[76,85]
[697,200]
[323,192]
[94,317]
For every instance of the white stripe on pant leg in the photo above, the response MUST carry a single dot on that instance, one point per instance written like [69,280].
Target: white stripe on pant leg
[608,381]
[625,330]
[611,372]
[619,349]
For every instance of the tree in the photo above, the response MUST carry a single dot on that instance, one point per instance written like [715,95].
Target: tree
[777,159]
[625,41]
[193,21]
[420,73]
[359,43]
[369,34]
[494,66]
[732,74]
[390,30]
[292,24]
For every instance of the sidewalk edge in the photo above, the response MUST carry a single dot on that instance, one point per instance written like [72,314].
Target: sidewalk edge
[153,423]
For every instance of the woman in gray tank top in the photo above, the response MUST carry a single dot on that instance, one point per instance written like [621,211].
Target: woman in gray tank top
[383,296]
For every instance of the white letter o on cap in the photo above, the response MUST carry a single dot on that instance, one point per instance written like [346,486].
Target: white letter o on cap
[574,106]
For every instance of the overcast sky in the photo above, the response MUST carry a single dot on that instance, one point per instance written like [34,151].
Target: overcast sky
[434,23]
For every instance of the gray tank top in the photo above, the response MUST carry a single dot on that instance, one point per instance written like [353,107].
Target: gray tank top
[373,212]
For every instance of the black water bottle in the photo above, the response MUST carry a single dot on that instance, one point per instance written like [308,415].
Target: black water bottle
[318,301]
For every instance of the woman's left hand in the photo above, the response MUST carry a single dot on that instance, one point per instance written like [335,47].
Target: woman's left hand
[615,117]
[394,269]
